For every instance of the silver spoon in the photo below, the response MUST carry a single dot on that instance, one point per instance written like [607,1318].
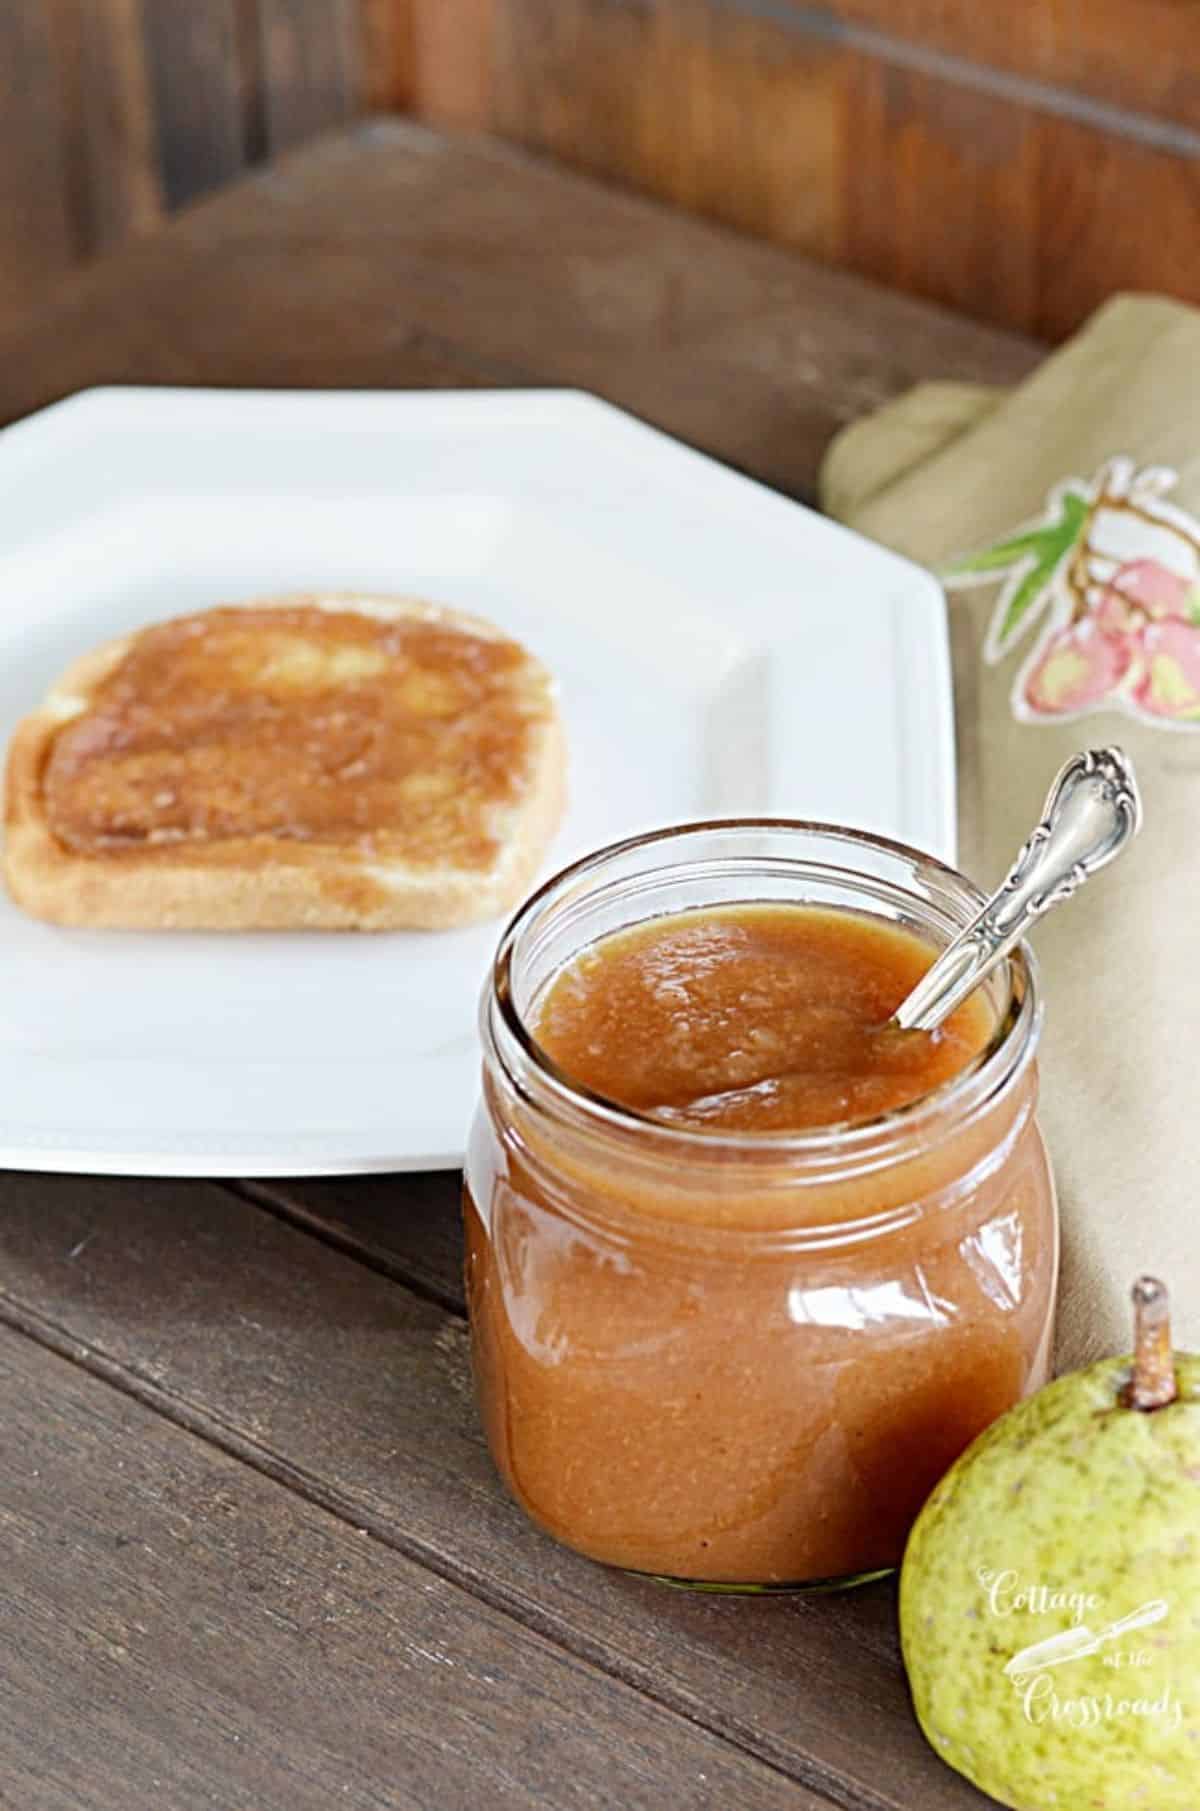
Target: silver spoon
[1093,810]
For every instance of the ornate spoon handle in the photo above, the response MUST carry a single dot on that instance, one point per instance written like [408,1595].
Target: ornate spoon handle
[1093,811]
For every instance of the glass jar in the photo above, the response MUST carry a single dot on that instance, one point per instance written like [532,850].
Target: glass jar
[744,1359]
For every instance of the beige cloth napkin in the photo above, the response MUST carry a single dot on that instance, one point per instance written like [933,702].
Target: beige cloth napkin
[1098,631]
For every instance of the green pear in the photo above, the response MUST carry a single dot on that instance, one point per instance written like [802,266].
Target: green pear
[1050,1591]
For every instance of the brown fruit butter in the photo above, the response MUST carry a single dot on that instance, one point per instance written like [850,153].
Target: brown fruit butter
[732,1326]
[245,726]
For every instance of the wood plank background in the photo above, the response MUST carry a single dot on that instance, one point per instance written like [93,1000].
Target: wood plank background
[1018,161]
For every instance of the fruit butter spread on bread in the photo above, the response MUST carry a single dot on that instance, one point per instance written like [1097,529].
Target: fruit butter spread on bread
[327,761]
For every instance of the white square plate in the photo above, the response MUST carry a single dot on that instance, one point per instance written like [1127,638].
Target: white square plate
[720,651]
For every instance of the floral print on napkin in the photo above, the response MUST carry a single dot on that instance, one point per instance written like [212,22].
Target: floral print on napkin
[1112,572]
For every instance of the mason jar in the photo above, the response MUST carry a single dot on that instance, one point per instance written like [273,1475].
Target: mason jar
[743,1359]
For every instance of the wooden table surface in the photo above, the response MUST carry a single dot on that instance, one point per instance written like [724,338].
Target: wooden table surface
[254,1551]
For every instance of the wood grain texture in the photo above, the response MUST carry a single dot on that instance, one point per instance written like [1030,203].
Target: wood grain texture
[180,1631]
[900,139]
[957,217]
[419,1244]
[1139,55]
[904,139]
[197,86]
[335,1380]
[452,50]
[710,108]
[387,59]
[40,233]
[116,121]
[463,261]
[1109,220]
[310,67]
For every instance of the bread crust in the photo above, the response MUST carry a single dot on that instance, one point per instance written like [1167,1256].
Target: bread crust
[265,883]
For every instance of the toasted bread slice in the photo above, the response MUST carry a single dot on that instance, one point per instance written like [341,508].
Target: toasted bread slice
[323,761]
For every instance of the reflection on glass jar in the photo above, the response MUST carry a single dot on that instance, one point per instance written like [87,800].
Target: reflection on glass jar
[745,1358]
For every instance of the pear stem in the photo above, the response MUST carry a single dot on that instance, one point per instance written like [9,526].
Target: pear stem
[1152,1384]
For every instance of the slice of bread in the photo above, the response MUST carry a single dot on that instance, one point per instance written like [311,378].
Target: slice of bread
[319,761]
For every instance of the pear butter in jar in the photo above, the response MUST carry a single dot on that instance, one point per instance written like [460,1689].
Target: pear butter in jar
[747,1267]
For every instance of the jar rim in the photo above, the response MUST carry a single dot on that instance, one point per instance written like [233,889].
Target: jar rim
[968,1091]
